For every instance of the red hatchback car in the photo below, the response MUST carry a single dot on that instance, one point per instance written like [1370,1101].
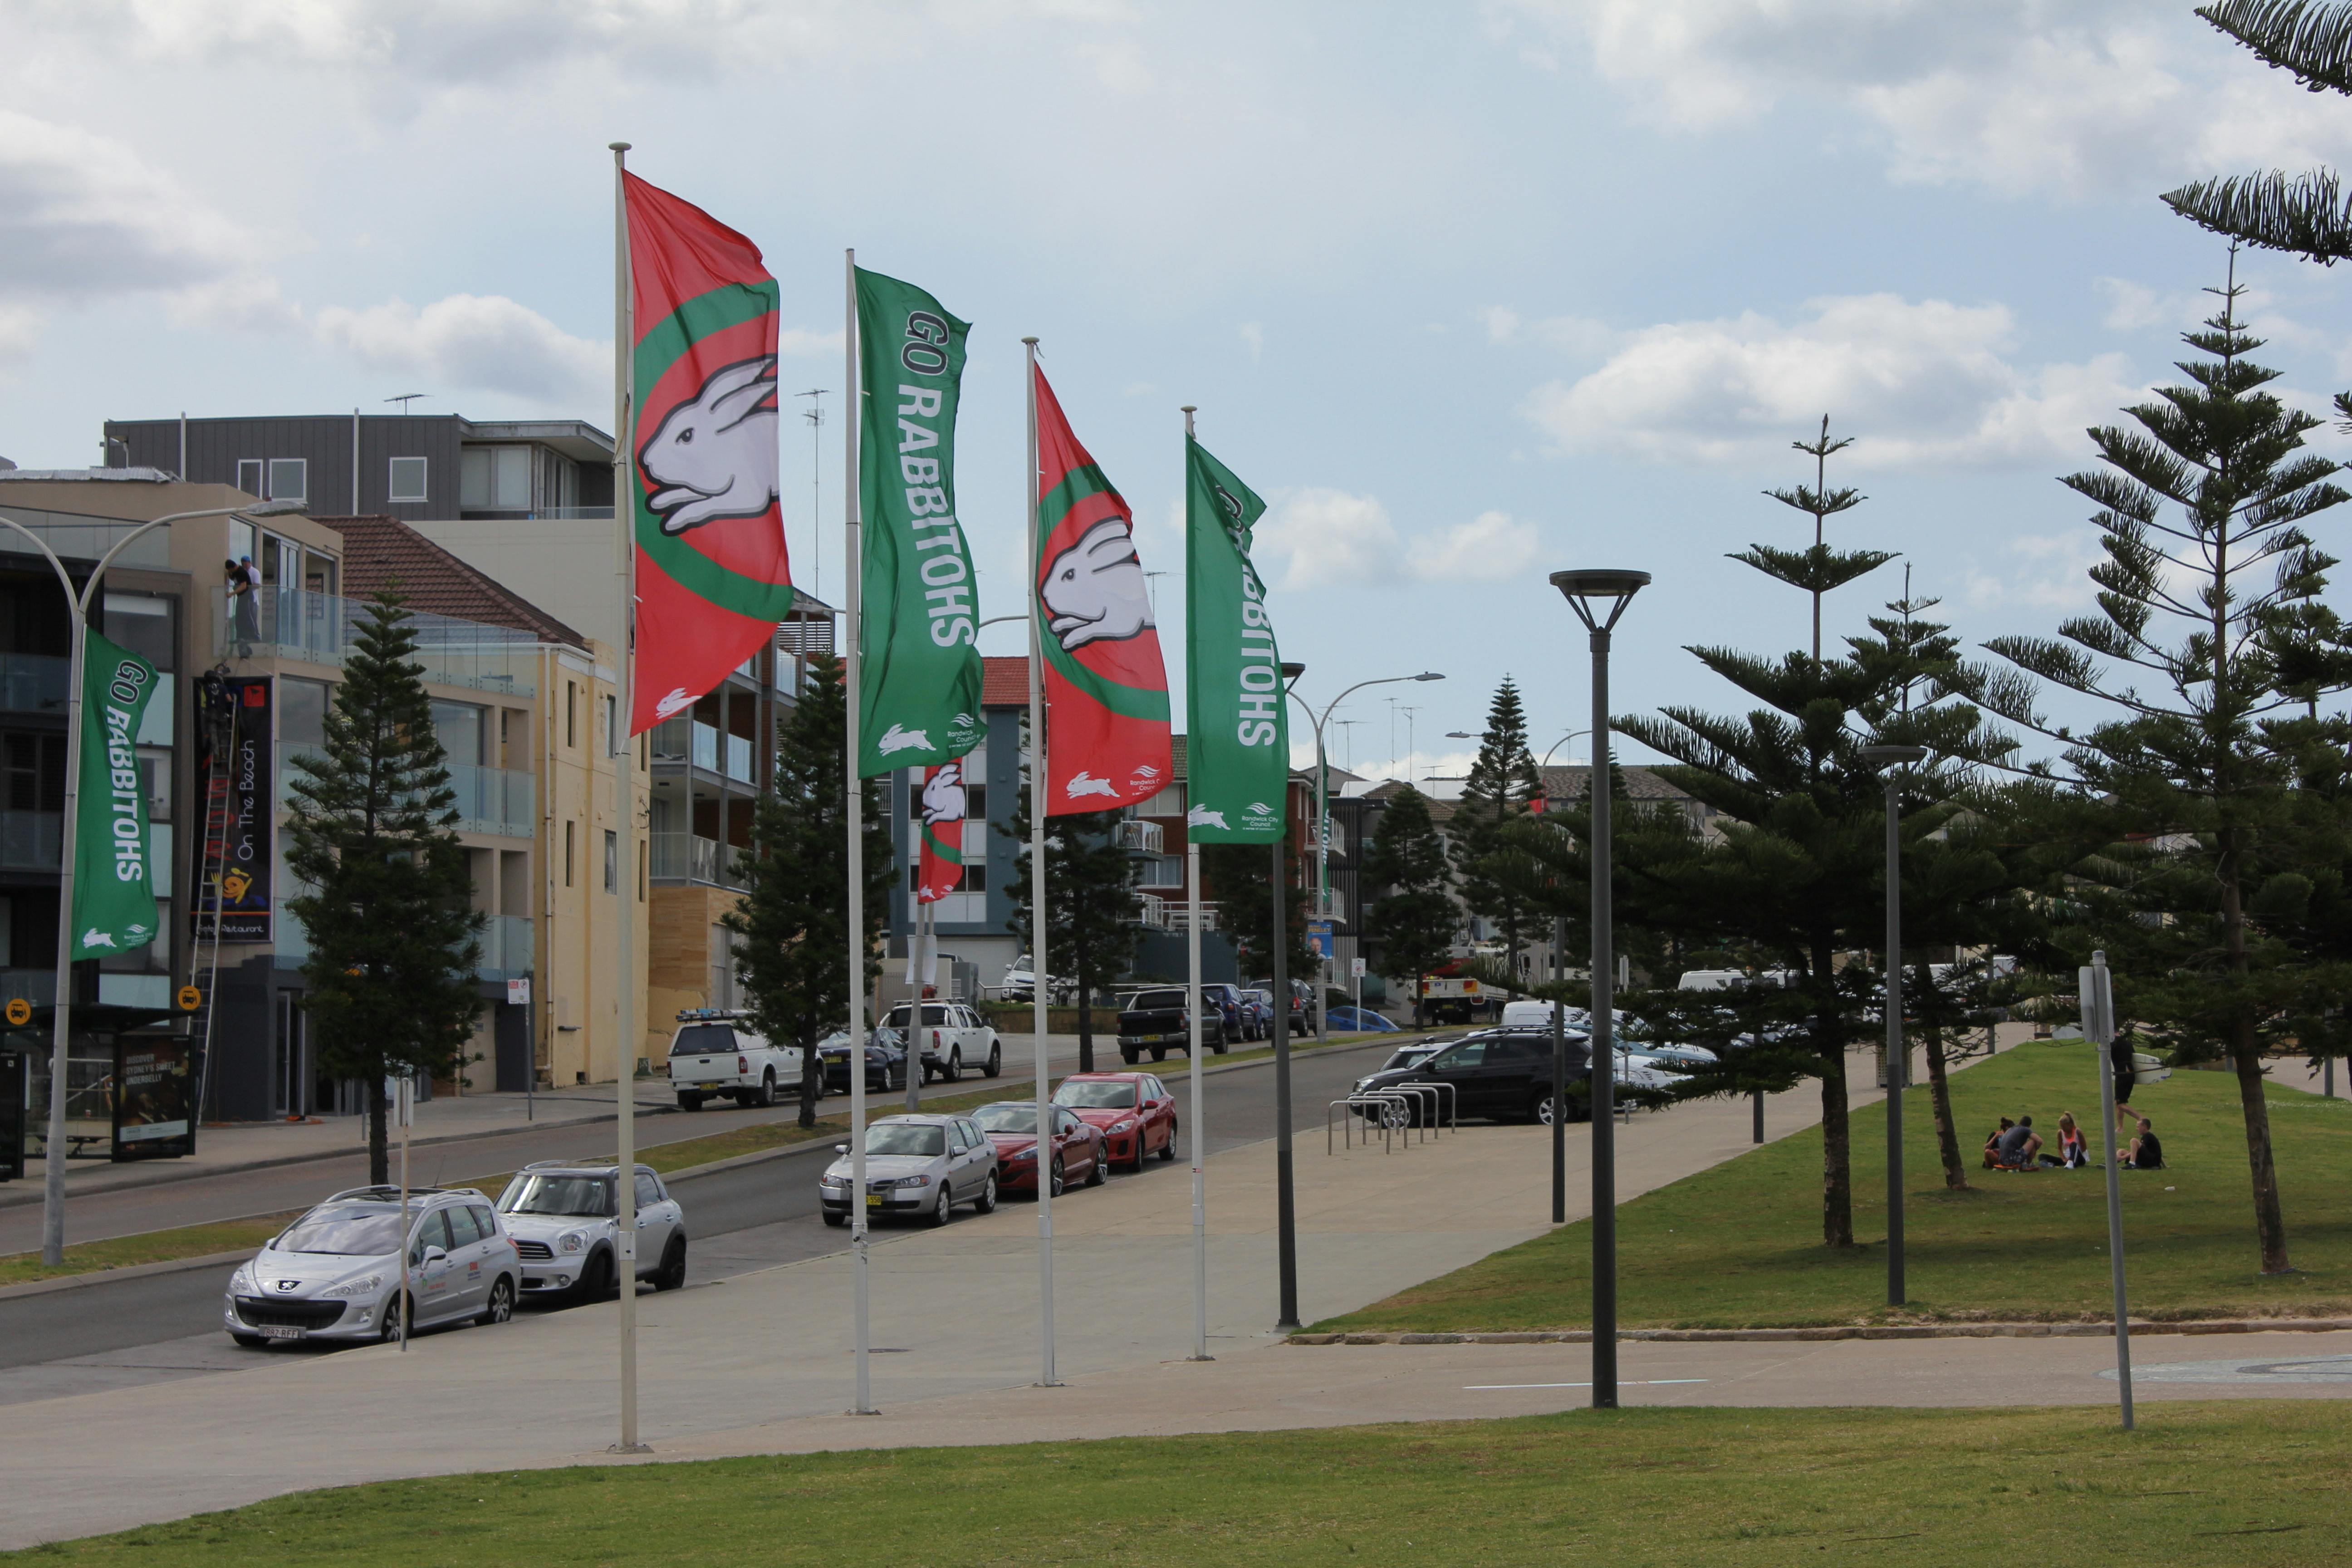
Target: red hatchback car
[1012,1126]
[1135,1111]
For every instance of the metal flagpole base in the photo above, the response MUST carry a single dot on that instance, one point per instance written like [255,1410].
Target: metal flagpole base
[629,1448]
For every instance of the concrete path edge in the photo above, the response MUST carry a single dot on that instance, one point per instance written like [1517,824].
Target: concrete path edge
[2139,1326]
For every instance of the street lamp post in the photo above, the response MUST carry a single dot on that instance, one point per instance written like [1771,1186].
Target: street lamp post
[1323,812]
[1892,759]
[78,604]
[1285,1195]
[1598,596]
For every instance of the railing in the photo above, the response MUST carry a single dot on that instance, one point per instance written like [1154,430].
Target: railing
[507,948]
[706,746]
[536,513]
[34,682]
[490,800]
[321,628]
[1144,837]
[1171,914]
[739,759]
[671,740]
[684,858]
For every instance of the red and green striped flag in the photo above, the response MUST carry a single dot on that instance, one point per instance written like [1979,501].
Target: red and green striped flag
[712,576]
[941,871]
[1106,688]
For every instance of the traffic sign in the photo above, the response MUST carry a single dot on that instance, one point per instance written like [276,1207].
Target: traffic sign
[20,1012]
[190,998]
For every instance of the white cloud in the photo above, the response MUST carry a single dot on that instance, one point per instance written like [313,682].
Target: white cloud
[1923,385]
[1333,538]
[2070,95]
[1255,336]
[1488,548]
[1502,323]
[486,342]
[2048,572]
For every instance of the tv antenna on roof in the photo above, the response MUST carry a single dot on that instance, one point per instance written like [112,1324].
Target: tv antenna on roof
[405,398]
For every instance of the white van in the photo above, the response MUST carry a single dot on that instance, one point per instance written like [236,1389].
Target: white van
[1537,1016]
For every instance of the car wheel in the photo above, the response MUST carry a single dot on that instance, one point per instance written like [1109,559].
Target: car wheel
[944,1210]
[500,1306]
[250,1341]
[1540,1106]
[1128,1055]
[1160,1053]
[1059,1183]
[597,1283]
[995,1060]
[1167,1149]
[955,1067]
[835,1220]
[1218,1045]
[986,1202]
[672,1273]
[767,1095]
[388,1331]
[689,1101]
[1098,1169]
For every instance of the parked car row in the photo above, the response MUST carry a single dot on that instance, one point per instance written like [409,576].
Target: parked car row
[338,1274]
[926,1166]
[1505,1074]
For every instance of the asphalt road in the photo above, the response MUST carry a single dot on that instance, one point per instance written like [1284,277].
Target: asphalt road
[751,1217]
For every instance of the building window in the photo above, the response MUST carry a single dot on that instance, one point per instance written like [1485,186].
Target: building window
[302,711]
[461,727]
[1160,871]
[34,769]
[570,713]
[612,861]
[494,479]
[407,479]
[249,476]
[142,622]
[610,735]
[567,853]
[289,478]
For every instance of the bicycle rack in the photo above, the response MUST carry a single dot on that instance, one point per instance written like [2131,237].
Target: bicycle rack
[1387,1102]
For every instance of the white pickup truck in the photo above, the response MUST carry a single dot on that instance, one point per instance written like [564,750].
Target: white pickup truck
[716,1054]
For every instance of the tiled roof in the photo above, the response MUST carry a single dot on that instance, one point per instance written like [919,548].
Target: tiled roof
[1003,681]
[379,550]
[1641,784]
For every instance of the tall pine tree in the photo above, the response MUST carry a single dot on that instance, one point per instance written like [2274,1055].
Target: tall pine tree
[794,962]
[1412,921]
[2307,216]
[1502,782]
[386,892]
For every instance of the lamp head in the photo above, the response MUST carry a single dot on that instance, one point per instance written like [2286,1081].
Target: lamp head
[1892,756]
[1463,735]
[1293,671]
[1429,675]
[274,509]
[1599,594]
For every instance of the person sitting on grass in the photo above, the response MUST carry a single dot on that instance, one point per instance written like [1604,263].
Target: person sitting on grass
[2146,1151]
[2015,1149]
[2073,1153]
[1993,1145]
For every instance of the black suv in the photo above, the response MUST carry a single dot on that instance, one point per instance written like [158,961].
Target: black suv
[1504,1075]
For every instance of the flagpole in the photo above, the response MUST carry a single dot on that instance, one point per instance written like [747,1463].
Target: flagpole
[853,575]
[1037,801]
[1193,1011]
[630,1030]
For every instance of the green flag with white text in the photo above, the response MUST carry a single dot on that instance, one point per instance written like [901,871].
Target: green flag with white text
[1237,756]
[113,898]
[919,675]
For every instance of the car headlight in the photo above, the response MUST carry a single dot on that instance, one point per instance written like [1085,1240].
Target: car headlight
[1028,1153]
[349,1288]
[835,1182]
[913,1182]
[572,1241]
[1120,1126]
[241,1282]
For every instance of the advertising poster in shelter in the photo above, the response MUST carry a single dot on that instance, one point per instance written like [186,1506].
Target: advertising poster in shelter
[152,1090]
[233,874]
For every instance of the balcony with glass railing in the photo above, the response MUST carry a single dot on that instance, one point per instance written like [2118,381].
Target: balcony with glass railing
[500,801]
[34,683]
[322,629]
[685,858]
[507,948]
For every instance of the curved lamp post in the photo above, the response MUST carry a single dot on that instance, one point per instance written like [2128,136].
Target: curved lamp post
[1598,596]
[78,604]
[1891,760]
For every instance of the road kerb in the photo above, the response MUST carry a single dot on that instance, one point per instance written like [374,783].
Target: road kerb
[2139,1326]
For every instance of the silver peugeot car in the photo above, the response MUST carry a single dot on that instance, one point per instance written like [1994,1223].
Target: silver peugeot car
[335,1273]
[561,1215]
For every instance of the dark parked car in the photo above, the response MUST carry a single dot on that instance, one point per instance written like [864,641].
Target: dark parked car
[1503,1075]
[1158,1021]
[1227,1000]
[886,1060]
[1257,1014]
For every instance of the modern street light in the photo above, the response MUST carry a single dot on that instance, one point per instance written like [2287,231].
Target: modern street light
[1323,812]
[78,604]
[1598,596]
[1286,1195]
[1892,760]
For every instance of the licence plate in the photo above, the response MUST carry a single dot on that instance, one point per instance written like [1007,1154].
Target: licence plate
[873,1200]
[280,1332]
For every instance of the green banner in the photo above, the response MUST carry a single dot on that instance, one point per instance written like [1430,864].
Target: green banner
[1237,756]
[113,898]
[918,686]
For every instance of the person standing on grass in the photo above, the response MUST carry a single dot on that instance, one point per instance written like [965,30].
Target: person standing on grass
[2119,1053]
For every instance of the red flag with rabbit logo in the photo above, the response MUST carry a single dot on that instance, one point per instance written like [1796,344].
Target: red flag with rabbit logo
[713,579]
[1105,689]
[943,803]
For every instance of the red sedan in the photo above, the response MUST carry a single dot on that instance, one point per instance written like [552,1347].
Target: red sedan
[1135,1111]
[1011,1125]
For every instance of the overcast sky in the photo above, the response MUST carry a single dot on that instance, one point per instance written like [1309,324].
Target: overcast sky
[1468,292]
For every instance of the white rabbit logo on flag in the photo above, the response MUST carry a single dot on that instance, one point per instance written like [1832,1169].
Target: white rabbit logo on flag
[714,456]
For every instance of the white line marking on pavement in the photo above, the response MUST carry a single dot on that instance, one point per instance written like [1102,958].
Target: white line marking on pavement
[1621,1383]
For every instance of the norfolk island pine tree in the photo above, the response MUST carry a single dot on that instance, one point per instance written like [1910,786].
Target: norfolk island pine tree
[1412,923]
[370,838]
[1502,782]
[793,964]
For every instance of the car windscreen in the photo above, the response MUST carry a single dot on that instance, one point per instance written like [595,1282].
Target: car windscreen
[906,1138]
[1410,1057]
[588,1196]
[1006,1118]
[702,1040]
[353,1230]
[1156,1001]
[1096,1096]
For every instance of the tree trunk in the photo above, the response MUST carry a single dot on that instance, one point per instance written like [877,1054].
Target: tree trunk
[812,1076]
[1837,1138]
[1939,1096]
[379,1155]
[1085,1011]
[2245,1056]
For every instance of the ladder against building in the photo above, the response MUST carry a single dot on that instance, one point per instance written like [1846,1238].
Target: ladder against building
[216,713]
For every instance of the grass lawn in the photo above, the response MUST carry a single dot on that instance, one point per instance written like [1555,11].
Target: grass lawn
[1740,1244]
[2238,1483]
